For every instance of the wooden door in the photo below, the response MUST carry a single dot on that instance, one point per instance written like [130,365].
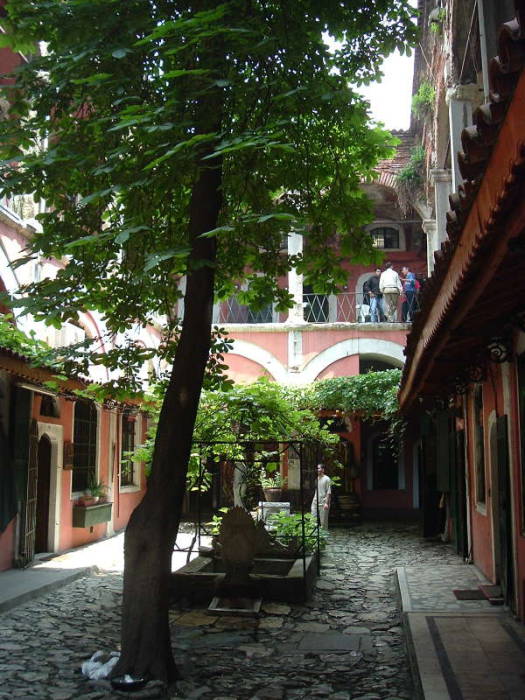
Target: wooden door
[43,494]
[28,520]
[506,563]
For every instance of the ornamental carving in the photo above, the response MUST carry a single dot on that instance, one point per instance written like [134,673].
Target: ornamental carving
[500,349]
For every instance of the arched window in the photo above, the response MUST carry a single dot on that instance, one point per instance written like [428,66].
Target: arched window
[85,445]
[385,237]
[49,407]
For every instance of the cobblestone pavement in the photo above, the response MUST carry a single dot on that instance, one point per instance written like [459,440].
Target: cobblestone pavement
[347,642]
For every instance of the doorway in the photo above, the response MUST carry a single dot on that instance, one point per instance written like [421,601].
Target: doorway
[43,495]
[502,521]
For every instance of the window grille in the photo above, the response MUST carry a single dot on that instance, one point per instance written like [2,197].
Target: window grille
[385,237]
[127,468]
[85,445]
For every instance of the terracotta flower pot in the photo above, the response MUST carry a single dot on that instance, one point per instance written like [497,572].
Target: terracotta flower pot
[87,500]
[273,494]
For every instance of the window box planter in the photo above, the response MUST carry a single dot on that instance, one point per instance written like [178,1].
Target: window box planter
[87,516]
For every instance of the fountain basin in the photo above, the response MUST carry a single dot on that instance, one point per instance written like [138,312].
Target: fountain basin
[286,580]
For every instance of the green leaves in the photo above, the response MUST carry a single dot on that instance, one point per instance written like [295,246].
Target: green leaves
[115,127]
[91,79]
[215,231]
[369,396]
[156,258]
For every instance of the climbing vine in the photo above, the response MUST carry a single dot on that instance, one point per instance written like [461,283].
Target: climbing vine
[266,411]
[37,352]
[369,396]
[231,416]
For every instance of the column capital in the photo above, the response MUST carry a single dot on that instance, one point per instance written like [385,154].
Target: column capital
[429,225]
[465,93]
[440,175]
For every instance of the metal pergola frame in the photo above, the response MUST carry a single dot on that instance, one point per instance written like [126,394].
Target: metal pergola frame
[254,455]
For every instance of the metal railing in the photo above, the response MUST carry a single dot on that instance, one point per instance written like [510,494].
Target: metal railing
[230,311]
[346,307]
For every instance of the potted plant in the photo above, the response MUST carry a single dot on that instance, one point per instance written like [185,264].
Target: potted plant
[272,482]
[95,492]
[91,508]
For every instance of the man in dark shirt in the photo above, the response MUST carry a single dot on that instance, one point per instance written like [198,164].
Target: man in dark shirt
[376,308]
[408,279]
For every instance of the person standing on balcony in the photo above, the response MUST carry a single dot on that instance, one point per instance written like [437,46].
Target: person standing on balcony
[390,287]
[321,501]
[409,287]
[376,298]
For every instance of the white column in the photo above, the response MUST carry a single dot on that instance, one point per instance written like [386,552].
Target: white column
[430,229]
[295,281]
[442,181]
[482,22]
[460,99]
[332,308]
[111,445]
[295,350]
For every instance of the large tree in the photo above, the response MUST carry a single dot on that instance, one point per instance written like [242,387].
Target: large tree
[183,139]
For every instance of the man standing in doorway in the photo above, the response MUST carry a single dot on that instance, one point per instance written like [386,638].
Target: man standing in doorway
[390,287]
[321,501]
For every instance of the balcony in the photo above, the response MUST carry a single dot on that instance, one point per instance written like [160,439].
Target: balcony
[230,311]
[346,307]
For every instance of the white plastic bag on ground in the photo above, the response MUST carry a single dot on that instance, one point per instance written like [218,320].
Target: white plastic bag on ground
[100,665]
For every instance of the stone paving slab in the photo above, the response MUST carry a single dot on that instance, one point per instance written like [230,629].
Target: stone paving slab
[471,656]
[347,643]
[336,642]
[422,588]
[464,650]
[18,586]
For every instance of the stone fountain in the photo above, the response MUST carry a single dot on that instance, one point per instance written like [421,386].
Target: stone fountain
[245,563]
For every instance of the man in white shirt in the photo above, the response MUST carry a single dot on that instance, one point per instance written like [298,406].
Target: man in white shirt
[390,287]
[321,501]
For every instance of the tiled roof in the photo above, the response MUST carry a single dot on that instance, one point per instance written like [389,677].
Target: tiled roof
[478,142]
[389,169]
[22,367]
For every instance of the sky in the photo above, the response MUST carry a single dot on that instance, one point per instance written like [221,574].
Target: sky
[390,99]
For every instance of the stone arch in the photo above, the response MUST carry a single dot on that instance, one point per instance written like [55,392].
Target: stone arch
[3,308]
[8,275]
[359,284]
[262,357]
[385,350]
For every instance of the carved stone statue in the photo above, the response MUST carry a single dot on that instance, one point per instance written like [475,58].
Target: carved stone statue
[4,109]
[238,542]
[265,544]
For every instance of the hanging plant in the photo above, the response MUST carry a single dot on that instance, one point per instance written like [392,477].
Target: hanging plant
[423,100]
[436,19]
[410,178]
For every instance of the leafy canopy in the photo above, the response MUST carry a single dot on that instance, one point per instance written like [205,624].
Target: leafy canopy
[370,396]
[228,418]
[109,125]
[265,411]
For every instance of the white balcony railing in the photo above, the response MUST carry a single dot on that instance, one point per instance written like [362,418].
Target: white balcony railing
[346,307]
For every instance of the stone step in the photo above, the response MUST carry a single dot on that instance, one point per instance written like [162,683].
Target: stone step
[493,594]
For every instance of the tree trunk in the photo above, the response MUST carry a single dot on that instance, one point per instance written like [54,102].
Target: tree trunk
[153,526]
